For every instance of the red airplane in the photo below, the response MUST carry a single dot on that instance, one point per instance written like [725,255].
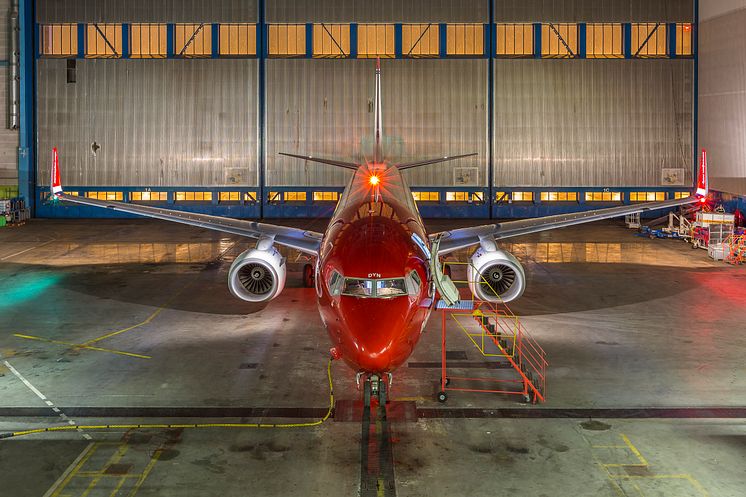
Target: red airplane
[376,268]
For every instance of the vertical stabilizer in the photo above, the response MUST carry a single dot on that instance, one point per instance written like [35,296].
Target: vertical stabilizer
[54,181]
[378,124]
[702,178]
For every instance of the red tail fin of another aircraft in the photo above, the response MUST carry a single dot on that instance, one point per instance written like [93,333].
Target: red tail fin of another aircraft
[55,184]
[702,182]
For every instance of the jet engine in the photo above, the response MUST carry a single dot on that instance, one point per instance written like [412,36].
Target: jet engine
[495,275]
[258,275]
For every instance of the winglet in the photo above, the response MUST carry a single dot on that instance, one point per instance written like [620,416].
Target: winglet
[55,185]
[702,177]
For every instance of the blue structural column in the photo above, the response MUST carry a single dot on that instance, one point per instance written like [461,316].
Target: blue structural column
[398,50]
[443,38]
[537,40]
[125,41]
[262,52]
[489,51]
[81,40]
[170,40]
[215,45]
[353,40]
[582,37]
[26,45]
[671,44]
[627,40]
[309,40]
[695,124]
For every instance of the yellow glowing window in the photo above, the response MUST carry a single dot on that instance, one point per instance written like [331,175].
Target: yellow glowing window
[105,195]
[647,196]
[502,196]
[649,40]
[559,40]
[287,40]
[58,39]
[604,41]
[426,196]
[515,40]
[684,39]
[148,196]
[325,196]
[680,195]
[192,40]
[375,40]
[464,197]
[465,39]
[603,196]
[44,196]
[523,196]
[193,196]
[420,40]
[237,39]
[295,196]
[559,196]
[103,40]
[249,197]
[274,196]
[331,40]
[148,41]
[230,196]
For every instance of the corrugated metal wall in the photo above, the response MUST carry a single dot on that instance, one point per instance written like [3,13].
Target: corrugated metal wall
[324,107]
[592,123]
[722,99]
[378,11]
[52,11]
[8,138]
[594,10]
[157,122]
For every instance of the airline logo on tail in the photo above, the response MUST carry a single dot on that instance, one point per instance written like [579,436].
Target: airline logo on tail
[702,188]
[55,183]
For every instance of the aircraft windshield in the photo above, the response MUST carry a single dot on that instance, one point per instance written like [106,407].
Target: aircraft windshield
[390,287]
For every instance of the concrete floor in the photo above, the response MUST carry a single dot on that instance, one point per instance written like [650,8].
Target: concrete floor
[628,324]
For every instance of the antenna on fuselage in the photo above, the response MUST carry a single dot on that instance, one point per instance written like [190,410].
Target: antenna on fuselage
[378,120]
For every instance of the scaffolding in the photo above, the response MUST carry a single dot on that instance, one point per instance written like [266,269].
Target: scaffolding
[736,245]
[500,337]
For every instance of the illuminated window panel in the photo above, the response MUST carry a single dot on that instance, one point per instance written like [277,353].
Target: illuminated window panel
[325,196]
[287,40]
[603,196]
[515,40]
[58,40]
[230,197]
[331,40]
[193,196]
[559,196]
[249,197]
[426,196]
[559,41]
[45,196]
[295,196]
[148,41]
[148,196]
[649,40]
[274,196]
[420,40]
[522,196]
[604,41]
[105,195]
[647,196]
[375,40]
[465,39]
[502,196]
[103,40]
[193,40]
[464,197]
[684,40]
[237,39]
[680,195]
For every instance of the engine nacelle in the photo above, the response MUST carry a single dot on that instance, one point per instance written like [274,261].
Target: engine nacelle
[258,275]
[495,275]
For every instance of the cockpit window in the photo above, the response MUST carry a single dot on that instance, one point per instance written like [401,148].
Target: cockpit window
[391,287]
[358,287]
[383,288]
[335,283]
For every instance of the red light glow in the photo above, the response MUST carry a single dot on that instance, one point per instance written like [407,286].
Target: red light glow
[687,27]
[374,180]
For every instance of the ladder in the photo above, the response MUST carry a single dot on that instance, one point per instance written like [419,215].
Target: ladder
[499,336]
[737,249]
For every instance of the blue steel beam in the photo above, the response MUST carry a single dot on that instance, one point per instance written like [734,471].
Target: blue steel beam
[125,41]
[27,97]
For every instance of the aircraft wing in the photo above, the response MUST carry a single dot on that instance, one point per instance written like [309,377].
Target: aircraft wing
[322,160]
[305,241]
[465,237]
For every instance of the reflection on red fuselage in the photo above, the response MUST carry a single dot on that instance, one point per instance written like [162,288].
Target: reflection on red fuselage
[371,236]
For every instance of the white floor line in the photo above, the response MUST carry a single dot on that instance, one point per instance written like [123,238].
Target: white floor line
[27,250]
[45,399]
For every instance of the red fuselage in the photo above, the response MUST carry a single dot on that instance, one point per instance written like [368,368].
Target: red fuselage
[375,242]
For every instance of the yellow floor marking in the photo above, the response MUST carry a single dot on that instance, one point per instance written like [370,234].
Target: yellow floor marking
[129,328]
[410,399]
[115,458]
[145,472]
[90,450]
[77,345]
[118,487]
[634,450]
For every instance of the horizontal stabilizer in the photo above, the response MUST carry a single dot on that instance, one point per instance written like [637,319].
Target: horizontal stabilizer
[321,160]
[426,162]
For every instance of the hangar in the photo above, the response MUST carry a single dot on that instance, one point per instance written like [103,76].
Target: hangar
[127,365]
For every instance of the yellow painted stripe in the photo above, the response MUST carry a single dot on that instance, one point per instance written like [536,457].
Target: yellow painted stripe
[77,345]
[119,332]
